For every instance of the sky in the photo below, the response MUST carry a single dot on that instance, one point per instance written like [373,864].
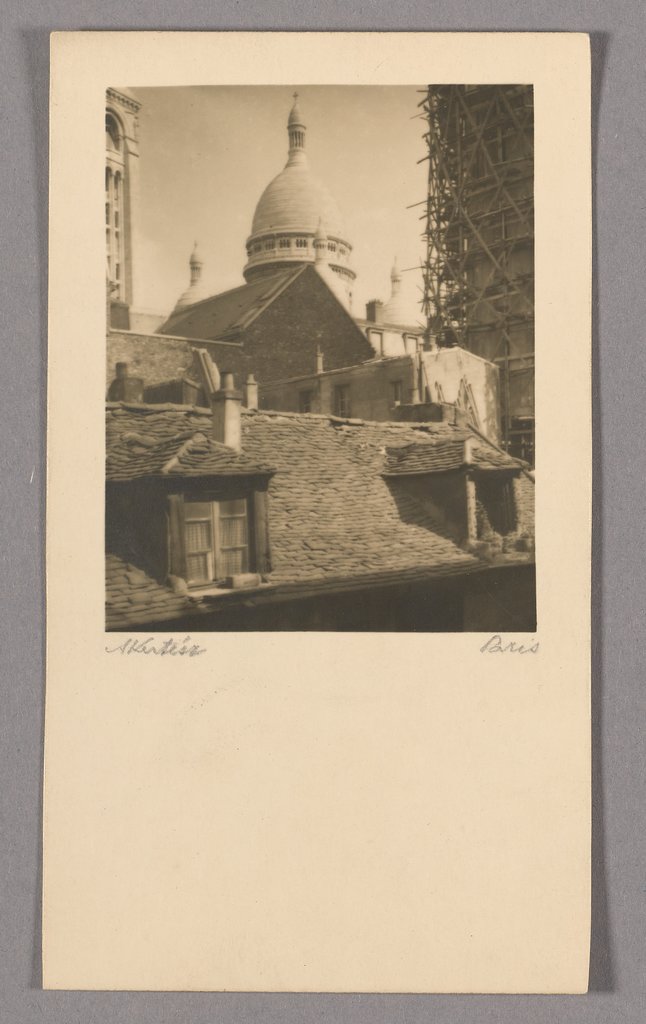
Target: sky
[207,153]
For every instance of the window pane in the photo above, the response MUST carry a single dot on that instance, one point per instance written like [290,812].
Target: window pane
[197,510]
[198,568]
[234,561]
[198,536]
[233,532]
[237,507]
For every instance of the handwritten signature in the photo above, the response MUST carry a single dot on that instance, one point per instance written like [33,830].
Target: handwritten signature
[174,648]
[495,645]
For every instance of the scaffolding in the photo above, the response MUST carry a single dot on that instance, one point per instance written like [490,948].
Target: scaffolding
[478,270]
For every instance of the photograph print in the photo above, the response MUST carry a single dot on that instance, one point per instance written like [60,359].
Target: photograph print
[320,358]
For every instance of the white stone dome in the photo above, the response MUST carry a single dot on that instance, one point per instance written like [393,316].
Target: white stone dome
[288,213]
[295,201]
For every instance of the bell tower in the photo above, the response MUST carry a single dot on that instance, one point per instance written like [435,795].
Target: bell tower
[121,204]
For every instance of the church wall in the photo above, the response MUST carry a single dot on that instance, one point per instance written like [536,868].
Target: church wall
[282,342]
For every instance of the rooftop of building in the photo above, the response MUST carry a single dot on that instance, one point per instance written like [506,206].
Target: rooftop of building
[226,314]
[410,328]
[335,516]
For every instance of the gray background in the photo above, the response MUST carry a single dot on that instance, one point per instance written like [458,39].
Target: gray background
[618,974]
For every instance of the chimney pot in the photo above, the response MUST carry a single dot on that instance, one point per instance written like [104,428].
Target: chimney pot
[375,311]
[125,388]
[226,405]
[319,360]
[251,392]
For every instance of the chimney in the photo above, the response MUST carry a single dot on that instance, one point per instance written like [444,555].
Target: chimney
[251,392]
[319,360]
[125,388]
[375,311]
[226,405]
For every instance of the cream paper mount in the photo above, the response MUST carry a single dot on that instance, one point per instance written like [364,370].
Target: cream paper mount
[315,811]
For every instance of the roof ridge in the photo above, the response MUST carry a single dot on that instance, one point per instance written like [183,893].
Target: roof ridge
[157,407]
[176,458]
[356,421]
[181,313]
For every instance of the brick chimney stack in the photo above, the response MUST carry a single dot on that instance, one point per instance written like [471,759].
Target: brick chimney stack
[226,405]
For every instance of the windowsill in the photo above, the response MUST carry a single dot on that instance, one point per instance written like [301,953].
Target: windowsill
[215,593]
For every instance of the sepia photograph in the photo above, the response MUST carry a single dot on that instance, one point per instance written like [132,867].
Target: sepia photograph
[318,694]
[320,358]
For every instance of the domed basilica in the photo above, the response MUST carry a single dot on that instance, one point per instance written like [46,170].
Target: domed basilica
[294,213]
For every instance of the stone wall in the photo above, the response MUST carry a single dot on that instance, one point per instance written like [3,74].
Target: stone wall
[370,389]
[448,367]
[159,358]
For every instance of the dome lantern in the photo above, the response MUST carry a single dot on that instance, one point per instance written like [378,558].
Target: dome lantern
[195,263]
[296,133]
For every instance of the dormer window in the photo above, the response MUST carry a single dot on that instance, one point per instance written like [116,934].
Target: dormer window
[495,505]
[216,538]
[218,532]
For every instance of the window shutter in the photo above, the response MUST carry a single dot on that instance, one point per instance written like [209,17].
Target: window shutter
[261,517]
[176,549]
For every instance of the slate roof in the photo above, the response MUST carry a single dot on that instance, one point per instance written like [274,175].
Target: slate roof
[440,454]
[332,513]
[158,445]
[226,315]
[427,457]
[334,516]
[132,596]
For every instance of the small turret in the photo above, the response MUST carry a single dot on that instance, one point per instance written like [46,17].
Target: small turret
[394,311]
[196,290]
[320,246]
